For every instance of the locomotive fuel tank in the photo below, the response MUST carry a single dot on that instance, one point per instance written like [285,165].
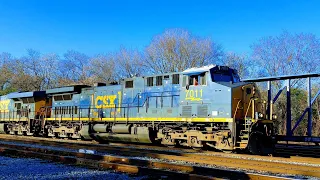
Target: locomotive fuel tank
[134,134]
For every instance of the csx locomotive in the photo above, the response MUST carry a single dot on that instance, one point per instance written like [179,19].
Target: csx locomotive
[200,107]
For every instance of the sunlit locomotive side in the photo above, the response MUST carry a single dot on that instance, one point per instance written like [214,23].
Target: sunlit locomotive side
[199,107]
[20,112]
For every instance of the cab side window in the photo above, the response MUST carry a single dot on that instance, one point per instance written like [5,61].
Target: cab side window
[159,81]
[129,84]
[196,80]
[150,81]
[175,79]
[18,108]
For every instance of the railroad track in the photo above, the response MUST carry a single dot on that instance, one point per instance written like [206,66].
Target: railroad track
[128,165]
[298,150]
[155,158]
[134,149]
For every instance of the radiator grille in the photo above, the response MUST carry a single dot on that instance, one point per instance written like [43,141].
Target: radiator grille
[186,111]
[202,111]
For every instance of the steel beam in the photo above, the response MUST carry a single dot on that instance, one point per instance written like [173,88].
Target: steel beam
[269,100]
[299,120]
[278,94]
[309,107]
[304,112]
[315,97]
[277,78]
[289,132]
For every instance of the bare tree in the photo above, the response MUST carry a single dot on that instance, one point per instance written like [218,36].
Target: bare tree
[49,68]
[30,67]
[129,63]
[177,49]
[238,62]
[40,70]
[287,54]
[5,70]
[73,68]
[21,80]
[102,68]
[5,58]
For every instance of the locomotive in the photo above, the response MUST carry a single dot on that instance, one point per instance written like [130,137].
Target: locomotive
[200,107]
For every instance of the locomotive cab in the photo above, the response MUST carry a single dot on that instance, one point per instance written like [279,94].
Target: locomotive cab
[231,108]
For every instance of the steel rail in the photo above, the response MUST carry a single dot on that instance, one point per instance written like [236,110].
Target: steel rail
[229,162]
[136,149]
[131,166]
[298,150]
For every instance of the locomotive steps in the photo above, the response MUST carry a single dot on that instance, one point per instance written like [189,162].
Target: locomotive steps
[149,159]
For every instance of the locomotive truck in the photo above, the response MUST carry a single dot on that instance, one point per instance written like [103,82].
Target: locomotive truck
[200,107]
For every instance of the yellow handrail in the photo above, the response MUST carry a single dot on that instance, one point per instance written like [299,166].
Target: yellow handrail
[235,112]
[245,117]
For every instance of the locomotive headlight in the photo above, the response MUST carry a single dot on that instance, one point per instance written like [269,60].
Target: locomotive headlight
[274,117]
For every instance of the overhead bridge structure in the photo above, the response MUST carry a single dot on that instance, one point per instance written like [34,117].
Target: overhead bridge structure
[308,110]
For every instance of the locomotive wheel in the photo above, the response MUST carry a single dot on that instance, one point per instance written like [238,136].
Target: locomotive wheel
[168,141]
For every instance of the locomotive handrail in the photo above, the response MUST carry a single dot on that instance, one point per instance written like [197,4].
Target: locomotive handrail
[234,115]
[147,97]
[13,115]
[153,96]
[245,116]
[59,114]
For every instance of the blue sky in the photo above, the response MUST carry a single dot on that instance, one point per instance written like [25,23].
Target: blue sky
[94,27]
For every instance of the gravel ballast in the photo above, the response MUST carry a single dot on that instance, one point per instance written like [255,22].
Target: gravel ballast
[22,168]
[82,173]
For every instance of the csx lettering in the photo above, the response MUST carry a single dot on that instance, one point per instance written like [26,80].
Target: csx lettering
[107,101]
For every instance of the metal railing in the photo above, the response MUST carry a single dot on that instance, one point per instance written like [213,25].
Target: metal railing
[76,113]
[14,115]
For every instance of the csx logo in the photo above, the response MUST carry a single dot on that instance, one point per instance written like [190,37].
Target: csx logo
[105,101]
[108,101]
[4,105]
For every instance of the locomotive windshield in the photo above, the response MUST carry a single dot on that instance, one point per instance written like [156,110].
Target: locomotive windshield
[224,74]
